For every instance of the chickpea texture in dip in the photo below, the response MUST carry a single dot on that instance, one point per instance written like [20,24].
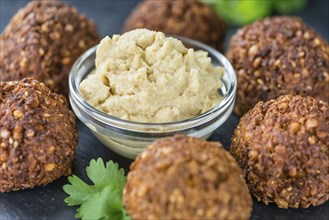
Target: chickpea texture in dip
[144,76]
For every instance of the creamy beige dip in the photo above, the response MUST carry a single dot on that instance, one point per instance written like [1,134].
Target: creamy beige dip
[145,76]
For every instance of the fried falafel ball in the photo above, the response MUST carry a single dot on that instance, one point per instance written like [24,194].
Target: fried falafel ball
[43,40]
[282,147]
[189,18]
[38,135]
[183,177]
[278,56]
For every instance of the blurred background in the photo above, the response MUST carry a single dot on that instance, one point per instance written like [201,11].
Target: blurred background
[110,15]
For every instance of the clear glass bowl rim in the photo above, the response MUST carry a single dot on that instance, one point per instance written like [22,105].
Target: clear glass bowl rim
[114,121]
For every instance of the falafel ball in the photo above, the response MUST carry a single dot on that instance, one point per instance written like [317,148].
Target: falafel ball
[38,135]
[278,56]
[43,40]
[183,177]
[282,147]
[189,18]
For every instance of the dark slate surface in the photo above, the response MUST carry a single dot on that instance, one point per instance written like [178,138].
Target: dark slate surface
[47,202]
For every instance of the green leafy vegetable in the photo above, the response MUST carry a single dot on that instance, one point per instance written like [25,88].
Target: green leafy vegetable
[104,205]
[241,12]
[102,200]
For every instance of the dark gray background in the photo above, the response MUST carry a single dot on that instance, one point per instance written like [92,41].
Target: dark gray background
[47,202]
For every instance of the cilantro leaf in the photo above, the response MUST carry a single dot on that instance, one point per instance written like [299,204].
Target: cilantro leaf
[104,205]
[102,200]
[79,191]
[103,176]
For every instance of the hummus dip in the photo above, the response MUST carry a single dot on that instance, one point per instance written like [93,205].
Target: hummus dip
[144,76]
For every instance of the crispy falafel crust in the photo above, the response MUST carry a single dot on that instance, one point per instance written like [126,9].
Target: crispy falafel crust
[278,56]
[182,177]
[191,18]
[282,146]
[43,40]
[38,135]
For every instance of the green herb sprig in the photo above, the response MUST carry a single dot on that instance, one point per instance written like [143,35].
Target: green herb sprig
[102,200]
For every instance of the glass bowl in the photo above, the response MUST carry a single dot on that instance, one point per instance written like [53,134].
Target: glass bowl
[129,138]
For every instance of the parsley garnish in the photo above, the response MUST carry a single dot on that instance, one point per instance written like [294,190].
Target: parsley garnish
[102,200]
